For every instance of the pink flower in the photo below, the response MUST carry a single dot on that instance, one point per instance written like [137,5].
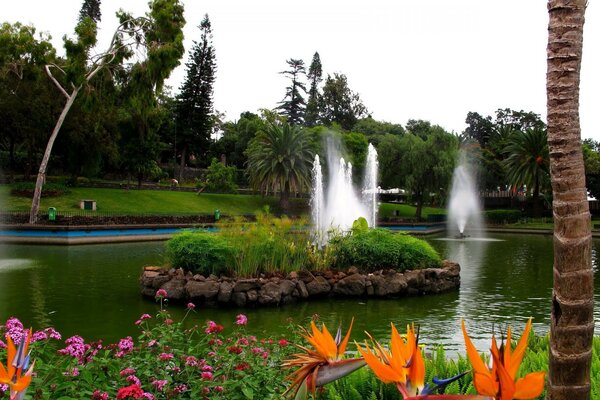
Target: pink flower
[2,345]
[125,347]
[213,327]
[98,395]
[134,379]
[241,319]
[283,342]
[191,361]
[191,306]
[243,341]
[211,354]
[3,388]
[180,388]
[148,396]
[165,356]
[257,350]
[138,322]
[127,372]
[168,321]
[14,329]
[207,376]
[159,384]
[152,343]
[39,335]
[76,347]
[207,368]
[234,349]
[72,372]
[52,334]
[145,316]
[160,293]
[218,389]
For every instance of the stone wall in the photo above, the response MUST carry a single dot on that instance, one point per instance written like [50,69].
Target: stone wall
[297,286]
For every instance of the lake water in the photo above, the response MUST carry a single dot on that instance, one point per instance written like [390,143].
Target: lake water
[93,290]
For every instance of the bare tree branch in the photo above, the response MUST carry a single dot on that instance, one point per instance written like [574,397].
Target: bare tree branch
[58,85]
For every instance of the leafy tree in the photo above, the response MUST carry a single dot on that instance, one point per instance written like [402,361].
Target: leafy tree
[572,321]
[315,76]
[527,162]
[219,178]
[370,127]
[340,104]
[195,101]
[356,145]
[519,120]
[91,9]
[426,164]
[390,157]
[293,104]
[591,159]
[479,128]
[280,159]
[144,115]
[419,127]
[235,139]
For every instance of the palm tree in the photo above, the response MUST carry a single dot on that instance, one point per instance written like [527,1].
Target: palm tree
[280,159]
[527,161]
[572,323]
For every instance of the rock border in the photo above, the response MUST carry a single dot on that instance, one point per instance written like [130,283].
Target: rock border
[223,291]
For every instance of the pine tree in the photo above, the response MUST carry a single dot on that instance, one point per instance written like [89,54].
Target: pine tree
[293,104]
[315,72]
[90,8]
[195,101]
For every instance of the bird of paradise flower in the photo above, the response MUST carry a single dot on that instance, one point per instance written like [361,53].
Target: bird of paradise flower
[17,361]
[322,364]
[499,382]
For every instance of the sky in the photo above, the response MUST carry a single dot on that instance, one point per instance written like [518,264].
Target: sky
[419,59]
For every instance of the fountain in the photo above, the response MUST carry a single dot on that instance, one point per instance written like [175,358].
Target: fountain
[464,211]
[342,204]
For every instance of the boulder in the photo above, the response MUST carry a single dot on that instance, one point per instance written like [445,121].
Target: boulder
[225,290]
[239,299]
[388,284]
[305,276]
[175,289]
[351,285]
[244,285]
[252,295]
[147,278]
[318,286]
[302,292]
[270,293]
[287,287]
[202,290]
[160,280]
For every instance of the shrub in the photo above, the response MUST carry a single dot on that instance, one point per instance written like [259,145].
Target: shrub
[219,178]
[26,189]
[200,252]
[379,249]
[502,216]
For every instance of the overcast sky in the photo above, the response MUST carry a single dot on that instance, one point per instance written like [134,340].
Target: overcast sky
[419,59]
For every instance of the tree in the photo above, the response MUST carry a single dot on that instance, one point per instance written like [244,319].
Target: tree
[370,127]
[313,109]
[527,162]
[591,159]
[195,101]
[390,157]
[91,9]
[479,128]
[293,104]
[572,322]
[340,104]
[79,70]
[280,159]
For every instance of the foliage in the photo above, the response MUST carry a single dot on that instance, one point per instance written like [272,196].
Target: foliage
[360,226]
[90,9]
[200,252]
[236,136]
[195,102]
[340,104]
[280,159]
[591,160]
[502,216]
[370,127]
[378,249]
[25,189]
[167,360]
[220,178]
[313,105]
[293,104]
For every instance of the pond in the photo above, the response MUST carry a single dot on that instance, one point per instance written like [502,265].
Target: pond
[92,290]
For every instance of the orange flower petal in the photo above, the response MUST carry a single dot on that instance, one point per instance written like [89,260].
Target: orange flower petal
[507,384]
[485,385]
[342,347]
[417,370]
[478,365]
[507,350]
[11,353]
[530,386]
[517,355]
[329,344]
[383,371]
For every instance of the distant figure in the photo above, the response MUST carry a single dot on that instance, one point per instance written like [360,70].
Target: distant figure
[174,183]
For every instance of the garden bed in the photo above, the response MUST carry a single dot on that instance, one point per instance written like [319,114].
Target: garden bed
[297,286]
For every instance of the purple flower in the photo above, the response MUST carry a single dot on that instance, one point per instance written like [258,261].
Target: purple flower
[52,334]
[14,329]
[3,388]
[148,396]
[125,347]
[39,335]
[241,319]
[72,372]
[76,347]
[160,293]
[134,380]
[2,345]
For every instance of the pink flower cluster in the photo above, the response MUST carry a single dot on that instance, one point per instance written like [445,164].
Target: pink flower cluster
[241,319]
[14,329]
[76,348]
[160,293]
[213,327]
[125,347]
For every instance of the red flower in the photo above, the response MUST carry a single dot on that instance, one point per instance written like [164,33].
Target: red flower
[134,391]
[235,349]
[283,342]
[242,366]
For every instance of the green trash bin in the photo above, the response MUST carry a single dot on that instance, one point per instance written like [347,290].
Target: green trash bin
[51,213]
[217,215]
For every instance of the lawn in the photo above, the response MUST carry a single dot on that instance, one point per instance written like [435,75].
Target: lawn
[406,210]
[149,201]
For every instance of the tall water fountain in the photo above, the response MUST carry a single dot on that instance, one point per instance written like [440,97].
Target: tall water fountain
[464,210]
[340,205]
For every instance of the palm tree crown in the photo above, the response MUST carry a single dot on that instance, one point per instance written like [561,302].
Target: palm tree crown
[527,158]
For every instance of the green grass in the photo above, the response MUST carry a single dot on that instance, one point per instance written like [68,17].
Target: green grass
[406,211]
[149,201]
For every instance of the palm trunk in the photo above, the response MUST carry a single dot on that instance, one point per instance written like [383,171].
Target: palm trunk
[572,323]
[41,178]
[284,199]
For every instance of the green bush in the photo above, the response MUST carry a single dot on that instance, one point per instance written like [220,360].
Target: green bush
[26,189]
[200,252]
[378,249]
[502,216]
[219,178]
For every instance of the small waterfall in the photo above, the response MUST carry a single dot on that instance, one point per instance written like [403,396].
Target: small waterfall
[464,210]
[370,188]
[341,205]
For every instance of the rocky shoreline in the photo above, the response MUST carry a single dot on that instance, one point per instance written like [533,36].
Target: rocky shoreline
[216,291]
